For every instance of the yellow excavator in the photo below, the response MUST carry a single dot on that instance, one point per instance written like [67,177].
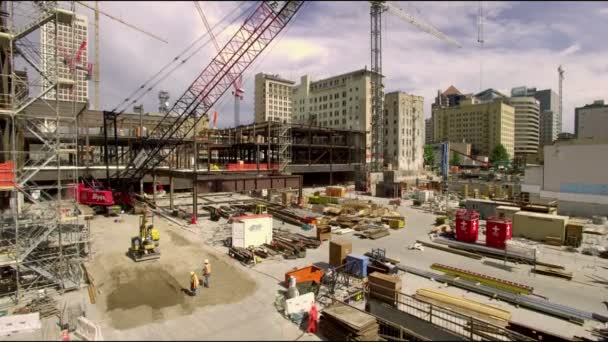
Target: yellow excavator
[146,245]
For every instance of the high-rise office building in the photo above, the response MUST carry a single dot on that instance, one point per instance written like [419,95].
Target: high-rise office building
[273,98]
[483,125]
[71,43]
[550,120]
[527,130]
[404,131]
[428,131]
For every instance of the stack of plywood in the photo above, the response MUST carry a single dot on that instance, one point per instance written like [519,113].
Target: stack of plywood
[384,287]
[338,250]
[344,323]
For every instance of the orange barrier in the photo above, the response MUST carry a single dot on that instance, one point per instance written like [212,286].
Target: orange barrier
[7,176]
[250,167]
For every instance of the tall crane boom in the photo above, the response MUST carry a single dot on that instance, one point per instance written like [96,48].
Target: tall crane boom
[238,91]
[259,29]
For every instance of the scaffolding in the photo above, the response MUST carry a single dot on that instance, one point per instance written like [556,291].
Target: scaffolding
[42,241]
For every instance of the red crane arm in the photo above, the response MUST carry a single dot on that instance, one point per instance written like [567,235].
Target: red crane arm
[259,29]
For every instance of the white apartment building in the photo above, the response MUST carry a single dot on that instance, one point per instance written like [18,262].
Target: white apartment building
[273,98]
[404,131]
[527,126]
[67,43]
[342,101]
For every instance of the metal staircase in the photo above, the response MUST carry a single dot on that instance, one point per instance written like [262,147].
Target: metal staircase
[284,142]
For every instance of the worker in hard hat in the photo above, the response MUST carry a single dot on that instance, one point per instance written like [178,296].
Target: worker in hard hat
[193,283]
[206,272]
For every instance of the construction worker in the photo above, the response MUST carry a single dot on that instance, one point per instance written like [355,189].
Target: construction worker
[207,272]
[193,283]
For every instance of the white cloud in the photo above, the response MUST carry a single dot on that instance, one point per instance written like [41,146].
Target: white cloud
[603,11]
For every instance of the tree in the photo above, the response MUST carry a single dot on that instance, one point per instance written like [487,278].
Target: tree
[499,154]
[429,155]
[455,159]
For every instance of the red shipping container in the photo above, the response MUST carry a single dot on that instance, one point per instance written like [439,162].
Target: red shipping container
[498,230]
[467,225]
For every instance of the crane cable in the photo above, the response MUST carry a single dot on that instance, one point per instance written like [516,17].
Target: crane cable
[176,58]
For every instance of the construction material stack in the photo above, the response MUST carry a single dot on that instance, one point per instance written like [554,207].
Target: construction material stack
[467,225]
[498,230]
[384,287]
[338,250]
[342,322]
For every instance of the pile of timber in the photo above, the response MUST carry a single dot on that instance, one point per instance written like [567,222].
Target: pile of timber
[306,241]
[241,254]
[375,233]
[344,323]
[450,249]
[45,306]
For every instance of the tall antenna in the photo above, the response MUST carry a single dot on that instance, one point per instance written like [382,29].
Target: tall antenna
[560,71]
[480,41]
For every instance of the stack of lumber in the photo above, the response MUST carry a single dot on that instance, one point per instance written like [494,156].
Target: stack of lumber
[375,233]
[384,287]
[296,239]
[342,322]
[485,312]
[552,272]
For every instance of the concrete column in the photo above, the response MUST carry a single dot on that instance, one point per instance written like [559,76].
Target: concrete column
[141,187]
[268,159]
[208,159]
[331,161]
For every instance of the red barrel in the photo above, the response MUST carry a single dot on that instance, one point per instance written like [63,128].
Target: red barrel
[498,230]
[467,225]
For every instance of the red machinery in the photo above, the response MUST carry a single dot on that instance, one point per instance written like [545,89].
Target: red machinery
[94,195]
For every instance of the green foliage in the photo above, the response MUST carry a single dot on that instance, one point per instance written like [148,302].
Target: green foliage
[455,159]
[429,155]
[499,154]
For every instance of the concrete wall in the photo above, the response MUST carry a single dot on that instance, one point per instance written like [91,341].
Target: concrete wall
[592,122]
[576,168]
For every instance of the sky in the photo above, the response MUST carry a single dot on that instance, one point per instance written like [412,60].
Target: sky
[524,43]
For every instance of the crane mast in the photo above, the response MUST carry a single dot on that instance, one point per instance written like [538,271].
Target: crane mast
[259,29]
[377,8]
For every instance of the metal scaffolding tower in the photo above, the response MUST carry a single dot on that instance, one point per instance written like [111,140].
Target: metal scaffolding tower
[41,240]
[284,140]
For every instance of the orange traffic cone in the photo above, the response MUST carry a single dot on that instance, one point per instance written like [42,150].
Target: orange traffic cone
[65,335]
[193,219]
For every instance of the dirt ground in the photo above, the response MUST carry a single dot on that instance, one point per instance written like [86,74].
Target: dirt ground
[136,293]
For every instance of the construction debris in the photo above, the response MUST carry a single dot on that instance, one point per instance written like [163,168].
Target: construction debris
[46,306]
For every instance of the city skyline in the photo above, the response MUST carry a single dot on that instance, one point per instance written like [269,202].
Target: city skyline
[519,49]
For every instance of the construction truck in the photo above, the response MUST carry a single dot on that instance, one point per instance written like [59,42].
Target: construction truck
[145,246]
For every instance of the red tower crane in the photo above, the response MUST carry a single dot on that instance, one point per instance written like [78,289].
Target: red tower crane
[258,31]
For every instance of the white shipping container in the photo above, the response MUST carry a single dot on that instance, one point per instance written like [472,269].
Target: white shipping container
[251,230]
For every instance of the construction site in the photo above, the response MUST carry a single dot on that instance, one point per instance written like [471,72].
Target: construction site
[109,219]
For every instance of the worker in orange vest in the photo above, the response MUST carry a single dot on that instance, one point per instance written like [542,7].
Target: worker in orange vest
[193,283]
[206,272]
